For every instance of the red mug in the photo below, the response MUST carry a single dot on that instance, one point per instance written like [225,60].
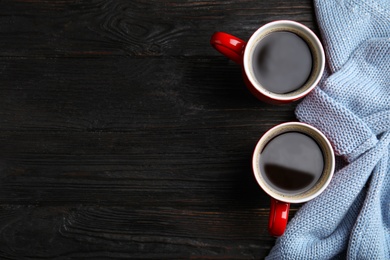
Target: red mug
[281,197]
[242,53]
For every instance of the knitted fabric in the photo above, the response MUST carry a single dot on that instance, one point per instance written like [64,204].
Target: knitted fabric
[351,106]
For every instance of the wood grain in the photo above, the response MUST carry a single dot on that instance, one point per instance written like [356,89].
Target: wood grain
[128,94]
[161,232]
[141,28]
[124,135]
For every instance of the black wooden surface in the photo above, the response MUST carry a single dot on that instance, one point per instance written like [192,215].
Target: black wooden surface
[123,134]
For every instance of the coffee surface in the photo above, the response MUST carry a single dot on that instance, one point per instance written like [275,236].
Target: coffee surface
[291,162]
[282,62]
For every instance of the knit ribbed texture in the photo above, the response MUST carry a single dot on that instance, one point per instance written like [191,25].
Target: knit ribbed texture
[351,106]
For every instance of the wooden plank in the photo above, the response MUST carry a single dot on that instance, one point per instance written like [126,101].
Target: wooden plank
[122,233]
[121,95]
[137,28]
[174,168]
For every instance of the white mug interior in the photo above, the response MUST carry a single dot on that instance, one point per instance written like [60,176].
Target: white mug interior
[328,156]
[308,36]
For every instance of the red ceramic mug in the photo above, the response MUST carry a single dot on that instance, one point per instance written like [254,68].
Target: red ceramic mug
[243,52]
[293,163]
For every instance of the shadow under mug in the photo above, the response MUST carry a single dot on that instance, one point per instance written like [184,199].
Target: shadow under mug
[281,199]
[242,53]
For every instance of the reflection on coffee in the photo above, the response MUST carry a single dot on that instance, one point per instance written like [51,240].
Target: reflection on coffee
[282,62]
[291,162]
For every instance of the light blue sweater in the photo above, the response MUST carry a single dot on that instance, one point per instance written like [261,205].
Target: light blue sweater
[351,105]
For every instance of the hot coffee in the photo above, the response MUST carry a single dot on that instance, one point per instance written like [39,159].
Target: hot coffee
[282,62]
[292,162]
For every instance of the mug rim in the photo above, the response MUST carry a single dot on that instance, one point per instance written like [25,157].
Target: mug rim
[288,197]
[249,48]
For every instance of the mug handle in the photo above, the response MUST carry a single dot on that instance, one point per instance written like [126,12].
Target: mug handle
[278,217]
[229,45]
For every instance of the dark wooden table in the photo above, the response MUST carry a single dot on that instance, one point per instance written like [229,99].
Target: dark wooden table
[123,134]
